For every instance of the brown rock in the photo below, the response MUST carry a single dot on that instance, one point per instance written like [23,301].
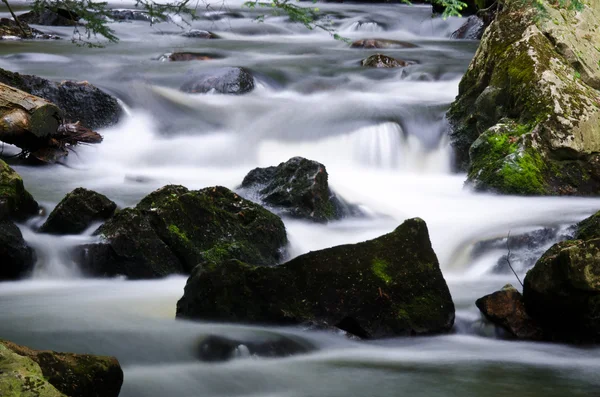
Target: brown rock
[382,43]
[383,61]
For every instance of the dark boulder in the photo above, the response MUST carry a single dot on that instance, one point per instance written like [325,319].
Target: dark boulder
[78,211]
[506,309]
[297,188]
[47,17]
[224,81]
[15,201]
[130,15]
[383,61]
[388,286]
[173,229]
[381,43]
[80,101]
[216,348]
[588,228]
[47,373]
[17,258]
[10,29]
[472,29]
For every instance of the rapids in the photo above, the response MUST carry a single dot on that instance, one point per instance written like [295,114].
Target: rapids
[382,136]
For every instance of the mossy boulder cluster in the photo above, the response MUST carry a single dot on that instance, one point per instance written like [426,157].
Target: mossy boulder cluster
[173,229]
[31,373]
[15,202]
[527,117]
[388,286]
[298,188]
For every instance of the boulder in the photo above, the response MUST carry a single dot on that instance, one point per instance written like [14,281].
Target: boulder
[297,188]
[472,29]
[224,81]
[17,257]
[131,15]
[15,201]
[526,120]
[588,228]
[78,211]
[385,287]
[173,229]
[199,34]
[10,30]
[506,309]
[80,101]
[381,43]
[383,61]
[47,17]
[562,291]
[28,372]
[217,348]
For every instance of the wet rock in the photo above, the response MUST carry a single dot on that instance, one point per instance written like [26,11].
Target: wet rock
[17,258]
[80,101]
[15,201]
[383,61]
[224,81]
[199,34]
[215,348]
[48,374]
[188,56]
[472,29]
[173,229]
[506,309]
[10,30]
[388,286]
[78,211]
[58,17]
[562,291]
[297,188]
[381,43]
[131,15]
[589,228]
[526,119]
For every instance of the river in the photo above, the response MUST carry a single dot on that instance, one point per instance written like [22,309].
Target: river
[382,136]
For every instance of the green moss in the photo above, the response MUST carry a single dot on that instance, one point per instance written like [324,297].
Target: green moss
[379,268]
[175,230]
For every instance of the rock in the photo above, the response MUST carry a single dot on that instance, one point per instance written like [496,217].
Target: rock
[15,201]
[384,287]
[131,15]
[216,348]
[589,228]
[562,291]
[383,61]
[58,17]
[381,43]
[28,372]
[173,229]
[17,257]
[10,30]
[78,211]
[297,188]
[526,119]
[199,34]
[224,81]
[188,56]
[472,29]
[505,308]
[80,101]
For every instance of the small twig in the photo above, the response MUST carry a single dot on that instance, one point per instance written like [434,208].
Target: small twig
[508,258]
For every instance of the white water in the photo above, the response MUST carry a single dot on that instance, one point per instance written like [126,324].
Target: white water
[382,137]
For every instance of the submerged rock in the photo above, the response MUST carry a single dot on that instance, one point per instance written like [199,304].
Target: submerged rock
[17,257]
[472,29]
[388,286]
[382,43]
[173,229]
[297,188]
[28,372]
[506,309]
[80,101]
[383,61]
[58,17]
[224,81]
[188,56]
[78,211]
[199,34]
[526,119]
[215,348]
[15,201]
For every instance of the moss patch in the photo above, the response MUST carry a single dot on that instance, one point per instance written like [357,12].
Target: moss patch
[379,268]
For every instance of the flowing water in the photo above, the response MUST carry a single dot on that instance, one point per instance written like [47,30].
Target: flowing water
[382,136]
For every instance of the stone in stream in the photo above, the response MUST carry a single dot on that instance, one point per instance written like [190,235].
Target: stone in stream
[526,120]
[78,211]
[388,286]
[297,188]
[472,29]
[57,17]
[17,258]
[188,56]
[199,34]
[131,15]
[9,30]
[42,373]
[15,201]
[80,101]
[217,348]
[381,43]
[383,61]
[224,81]
[173,229]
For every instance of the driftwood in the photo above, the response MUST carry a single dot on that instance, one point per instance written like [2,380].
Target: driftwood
[36,126]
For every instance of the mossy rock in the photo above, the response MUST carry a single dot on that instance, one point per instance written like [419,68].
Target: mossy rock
[17,257]
[522,85]
[388,286]
[173,229]
[589,228]
[47,373]
[15,201]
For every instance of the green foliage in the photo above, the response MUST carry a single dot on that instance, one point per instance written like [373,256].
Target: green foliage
[452,8]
